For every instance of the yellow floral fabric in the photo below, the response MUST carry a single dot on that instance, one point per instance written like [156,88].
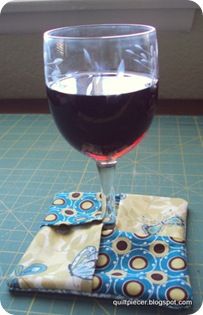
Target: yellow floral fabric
[57,248]
[145,215]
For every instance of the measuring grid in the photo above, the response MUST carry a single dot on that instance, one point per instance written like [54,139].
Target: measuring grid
[36,162]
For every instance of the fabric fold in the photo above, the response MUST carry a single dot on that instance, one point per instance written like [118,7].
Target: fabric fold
[59,258]
[74,208]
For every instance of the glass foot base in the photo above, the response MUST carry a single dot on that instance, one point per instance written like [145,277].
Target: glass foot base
[109,220]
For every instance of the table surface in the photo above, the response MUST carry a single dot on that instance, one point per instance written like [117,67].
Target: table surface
[36,162]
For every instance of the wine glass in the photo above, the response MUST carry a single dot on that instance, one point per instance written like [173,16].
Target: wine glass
[101,83]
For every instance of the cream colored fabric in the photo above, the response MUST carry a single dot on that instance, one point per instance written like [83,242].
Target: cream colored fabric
[157,215]
[57,249]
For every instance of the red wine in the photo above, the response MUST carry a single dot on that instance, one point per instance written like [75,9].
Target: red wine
[104,116]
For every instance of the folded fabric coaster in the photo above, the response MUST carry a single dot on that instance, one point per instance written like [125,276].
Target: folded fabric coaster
[144,257]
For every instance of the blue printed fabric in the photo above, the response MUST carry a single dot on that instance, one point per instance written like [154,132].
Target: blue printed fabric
[152,267]
[74,208]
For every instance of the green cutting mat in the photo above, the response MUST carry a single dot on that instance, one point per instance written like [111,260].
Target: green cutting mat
[36,162]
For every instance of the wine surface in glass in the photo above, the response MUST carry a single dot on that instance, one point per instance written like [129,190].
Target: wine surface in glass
[103,115]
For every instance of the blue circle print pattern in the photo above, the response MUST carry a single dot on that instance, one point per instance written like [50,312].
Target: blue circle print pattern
[74,208]
[153,267]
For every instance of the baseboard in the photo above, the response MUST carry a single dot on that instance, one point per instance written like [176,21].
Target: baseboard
[164,107]
[180,107]
[18,106]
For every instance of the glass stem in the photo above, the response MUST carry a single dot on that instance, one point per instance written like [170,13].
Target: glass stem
[106,172]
